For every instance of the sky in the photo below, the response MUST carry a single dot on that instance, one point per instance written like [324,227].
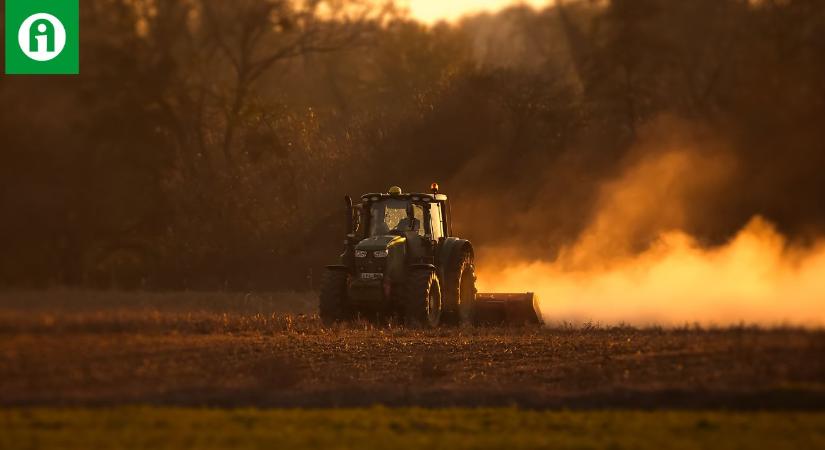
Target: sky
[431,11]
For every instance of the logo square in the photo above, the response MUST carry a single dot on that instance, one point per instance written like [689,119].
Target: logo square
[42,37]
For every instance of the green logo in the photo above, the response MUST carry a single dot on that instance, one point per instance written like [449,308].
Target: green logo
[42,37]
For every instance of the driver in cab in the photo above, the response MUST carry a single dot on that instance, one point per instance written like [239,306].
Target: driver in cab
[409,223]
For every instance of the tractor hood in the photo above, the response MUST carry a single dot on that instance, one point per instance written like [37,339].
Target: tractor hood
[379,242]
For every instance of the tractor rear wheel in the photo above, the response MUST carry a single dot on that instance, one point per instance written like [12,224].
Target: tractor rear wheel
[422,305]
[467,294]
[332,307]
[461,290]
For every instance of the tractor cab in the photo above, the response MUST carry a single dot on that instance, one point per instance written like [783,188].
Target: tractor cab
[397,213]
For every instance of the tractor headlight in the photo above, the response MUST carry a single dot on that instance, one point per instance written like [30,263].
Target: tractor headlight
[381,253]
[360,254]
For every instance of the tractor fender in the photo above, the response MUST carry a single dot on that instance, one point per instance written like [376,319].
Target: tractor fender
[423,267]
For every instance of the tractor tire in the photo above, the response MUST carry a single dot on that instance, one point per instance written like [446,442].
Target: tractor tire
[460,290]
[332,306]
[422,302]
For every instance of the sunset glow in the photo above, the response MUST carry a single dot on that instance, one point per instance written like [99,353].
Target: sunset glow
[432,11]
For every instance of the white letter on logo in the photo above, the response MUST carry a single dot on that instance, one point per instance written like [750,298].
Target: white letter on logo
[44,49]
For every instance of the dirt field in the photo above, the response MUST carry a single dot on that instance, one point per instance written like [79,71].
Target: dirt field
[76,348]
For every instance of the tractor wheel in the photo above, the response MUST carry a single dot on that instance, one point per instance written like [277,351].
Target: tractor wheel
[332,307]
[422,305]
[461,290]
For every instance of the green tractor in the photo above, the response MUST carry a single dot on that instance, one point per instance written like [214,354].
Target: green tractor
[402,261]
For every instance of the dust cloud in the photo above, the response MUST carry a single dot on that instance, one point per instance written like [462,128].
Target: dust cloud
[635,264]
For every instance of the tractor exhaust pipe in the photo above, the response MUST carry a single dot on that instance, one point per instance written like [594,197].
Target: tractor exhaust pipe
[350,223]
[507,309]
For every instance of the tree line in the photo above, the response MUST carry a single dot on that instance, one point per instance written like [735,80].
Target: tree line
[208,144]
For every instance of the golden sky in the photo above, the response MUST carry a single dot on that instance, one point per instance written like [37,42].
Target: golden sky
[434,10]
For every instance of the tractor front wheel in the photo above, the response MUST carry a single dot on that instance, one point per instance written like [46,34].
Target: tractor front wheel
[332,307]
[422,307]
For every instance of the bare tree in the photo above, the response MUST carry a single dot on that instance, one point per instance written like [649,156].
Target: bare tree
[254,36]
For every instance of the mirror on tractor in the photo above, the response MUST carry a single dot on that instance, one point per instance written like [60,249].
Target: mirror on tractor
[350,216]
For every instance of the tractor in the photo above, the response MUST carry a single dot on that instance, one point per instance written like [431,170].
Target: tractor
[401,260]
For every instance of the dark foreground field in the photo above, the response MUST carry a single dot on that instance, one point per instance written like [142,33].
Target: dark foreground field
[98,349]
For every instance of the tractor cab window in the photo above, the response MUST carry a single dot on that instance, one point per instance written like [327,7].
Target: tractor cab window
[390,217]
[436,221]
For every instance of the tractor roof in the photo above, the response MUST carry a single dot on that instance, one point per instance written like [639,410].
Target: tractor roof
[404,196]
